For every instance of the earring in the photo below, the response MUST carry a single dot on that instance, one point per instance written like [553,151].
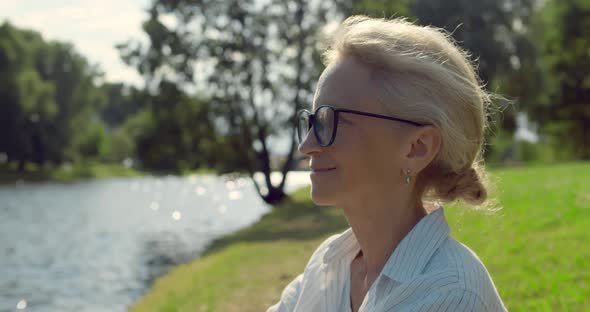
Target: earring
[408,177]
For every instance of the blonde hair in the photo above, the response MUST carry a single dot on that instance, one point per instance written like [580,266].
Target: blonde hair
[430,80]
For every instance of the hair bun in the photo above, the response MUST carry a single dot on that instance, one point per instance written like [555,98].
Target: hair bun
[465,184]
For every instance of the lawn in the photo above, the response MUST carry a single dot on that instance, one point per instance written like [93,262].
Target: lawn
[536,248]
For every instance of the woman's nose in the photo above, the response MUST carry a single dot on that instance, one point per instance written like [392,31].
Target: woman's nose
[310,144]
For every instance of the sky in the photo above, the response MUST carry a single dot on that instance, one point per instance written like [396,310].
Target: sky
[94,27]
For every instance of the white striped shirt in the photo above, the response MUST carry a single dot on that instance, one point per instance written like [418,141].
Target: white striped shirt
[428,271]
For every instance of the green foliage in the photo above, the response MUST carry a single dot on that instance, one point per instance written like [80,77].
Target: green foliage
[122,102]
[500,148]
[536,53]
[531,152]
[564,113]
[92,142]
[495,33]
[122,145]
[174,132]
[48,98]
[506,150]
[53,111]
[382,8]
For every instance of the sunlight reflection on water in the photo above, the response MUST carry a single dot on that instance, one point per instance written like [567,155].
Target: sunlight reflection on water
[97,245]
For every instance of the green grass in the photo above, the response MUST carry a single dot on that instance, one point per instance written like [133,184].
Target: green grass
[84,170]
[87,170]
[536,248]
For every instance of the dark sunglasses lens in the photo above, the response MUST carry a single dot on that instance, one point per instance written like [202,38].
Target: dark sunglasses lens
[324,123]
[303,126]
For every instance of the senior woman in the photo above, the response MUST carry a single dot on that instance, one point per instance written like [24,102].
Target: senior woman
[397,128]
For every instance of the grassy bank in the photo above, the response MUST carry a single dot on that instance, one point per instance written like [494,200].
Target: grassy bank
[34,173]
[86,170]
[536,248]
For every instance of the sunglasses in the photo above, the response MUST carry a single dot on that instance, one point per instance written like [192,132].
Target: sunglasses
[324,122]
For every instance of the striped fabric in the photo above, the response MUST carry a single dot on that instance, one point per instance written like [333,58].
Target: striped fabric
[428,271]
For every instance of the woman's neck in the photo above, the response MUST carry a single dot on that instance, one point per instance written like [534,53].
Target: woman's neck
[379,228]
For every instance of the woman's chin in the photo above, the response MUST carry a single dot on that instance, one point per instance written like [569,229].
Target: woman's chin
[321,197]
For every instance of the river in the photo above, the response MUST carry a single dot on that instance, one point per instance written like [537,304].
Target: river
[97,245]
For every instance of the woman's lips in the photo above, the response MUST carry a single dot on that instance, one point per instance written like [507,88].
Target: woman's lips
[322,170]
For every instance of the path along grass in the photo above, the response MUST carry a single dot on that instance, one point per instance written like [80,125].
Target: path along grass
[536,248]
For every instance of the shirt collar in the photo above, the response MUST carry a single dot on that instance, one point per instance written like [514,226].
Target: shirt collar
[410,256]
[341,246]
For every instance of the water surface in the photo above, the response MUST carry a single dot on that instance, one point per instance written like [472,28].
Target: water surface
[97,245]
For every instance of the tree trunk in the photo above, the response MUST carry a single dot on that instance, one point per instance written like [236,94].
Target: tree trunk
[585,140]
[275,195]
[21,165]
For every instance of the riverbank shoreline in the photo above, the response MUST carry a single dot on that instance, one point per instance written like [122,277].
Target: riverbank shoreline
[66,173]
[230,272]
[81,171]
[247,270]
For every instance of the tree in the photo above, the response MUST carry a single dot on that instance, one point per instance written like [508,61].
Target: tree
[47,98]
[489,29]
[27,101]
[176,132]
[564,113]
[496,34]
[77,95]
[122,102]
[381,8]
[264,59]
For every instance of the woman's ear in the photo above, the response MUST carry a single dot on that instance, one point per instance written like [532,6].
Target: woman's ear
[425,145]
